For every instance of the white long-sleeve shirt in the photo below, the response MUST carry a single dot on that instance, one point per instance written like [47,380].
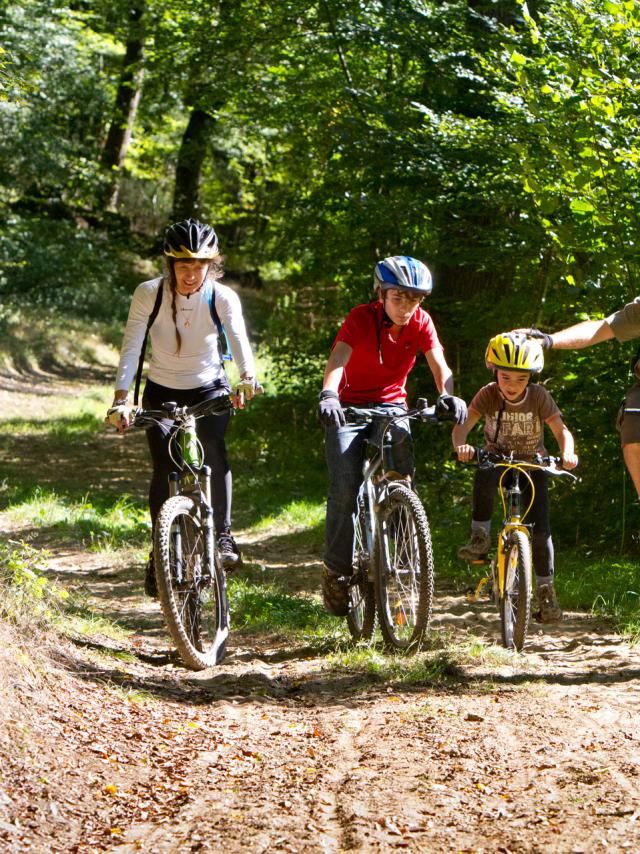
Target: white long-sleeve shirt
[198,362]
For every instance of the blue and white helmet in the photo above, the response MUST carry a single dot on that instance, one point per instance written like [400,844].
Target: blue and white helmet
[401,271]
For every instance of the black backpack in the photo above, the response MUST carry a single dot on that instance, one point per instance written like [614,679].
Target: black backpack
[223,342]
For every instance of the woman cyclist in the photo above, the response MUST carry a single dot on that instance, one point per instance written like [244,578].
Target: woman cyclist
[187,364]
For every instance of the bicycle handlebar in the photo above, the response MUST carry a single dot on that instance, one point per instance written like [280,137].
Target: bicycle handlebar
[548,464]
[145,418]
[421,412]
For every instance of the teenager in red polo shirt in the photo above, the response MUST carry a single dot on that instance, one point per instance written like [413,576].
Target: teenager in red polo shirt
[370,360]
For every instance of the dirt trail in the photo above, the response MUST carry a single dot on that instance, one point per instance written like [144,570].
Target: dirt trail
[121,749]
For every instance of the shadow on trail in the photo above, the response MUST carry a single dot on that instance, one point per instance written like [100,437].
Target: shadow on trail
[93,464]
[255,677]
[46,378]
[157,659]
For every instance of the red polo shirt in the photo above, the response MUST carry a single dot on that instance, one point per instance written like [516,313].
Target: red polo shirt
[366,379]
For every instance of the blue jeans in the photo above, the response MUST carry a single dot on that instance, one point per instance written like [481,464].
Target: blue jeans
[345,450]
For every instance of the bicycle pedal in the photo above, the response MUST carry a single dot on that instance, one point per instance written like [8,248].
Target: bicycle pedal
[475,595]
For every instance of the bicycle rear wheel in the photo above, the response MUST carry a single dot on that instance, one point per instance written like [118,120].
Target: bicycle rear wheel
[194,603]
[403,570]
[362,603]
[515,603]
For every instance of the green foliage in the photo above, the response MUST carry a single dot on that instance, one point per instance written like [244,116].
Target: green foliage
[26,595]
[572,101]
[54,264]
[54,102]
[497,141]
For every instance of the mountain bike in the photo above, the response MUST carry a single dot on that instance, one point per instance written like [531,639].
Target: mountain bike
[393,569]
[511,568]
[191,581]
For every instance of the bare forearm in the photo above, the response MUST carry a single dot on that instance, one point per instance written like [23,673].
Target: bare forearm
[440,370]
[336,364]
[459,435]
[582,335]
[565,442]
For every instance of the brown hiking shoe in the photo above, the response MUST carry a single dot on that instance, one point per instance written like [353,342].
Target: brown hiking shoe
[548,609]
[476,548]
[335,592]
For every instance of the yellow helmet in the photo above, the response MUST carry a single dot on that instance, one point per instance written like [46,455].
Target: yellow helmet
[513,351]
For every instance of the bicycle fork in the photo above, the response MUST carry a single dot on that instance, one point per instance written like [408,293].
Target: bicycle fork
[195,482]
[499,568]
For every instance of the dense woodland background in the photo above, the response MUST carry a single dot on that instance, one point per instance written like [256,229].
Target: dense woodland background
[494,139]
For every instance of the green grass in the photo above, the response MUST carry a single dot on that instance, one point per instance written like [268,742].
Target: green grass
[425,668]
[112,525]
[296,514]
[261,607]
[607,587]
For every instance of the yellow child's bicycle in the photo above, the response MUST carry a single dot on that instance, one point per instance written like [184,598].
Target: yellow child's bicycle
[512,565]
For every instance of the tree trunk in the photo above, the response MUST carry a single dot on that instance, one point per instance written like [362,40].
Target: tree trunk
[193,150]
[126,103]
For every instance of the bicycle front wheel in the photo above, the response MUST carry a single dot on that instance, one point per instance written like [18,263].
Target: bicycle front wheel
[193,600]
[362,604]
[515,602]
[404,574]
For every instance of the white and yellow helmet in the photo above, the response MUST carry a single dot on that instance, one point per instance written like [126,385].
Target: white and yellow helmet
[190,239]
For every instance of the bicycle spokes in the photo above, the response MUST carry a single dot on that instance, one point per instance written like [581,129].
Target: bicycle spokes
[404,571]
[191,586]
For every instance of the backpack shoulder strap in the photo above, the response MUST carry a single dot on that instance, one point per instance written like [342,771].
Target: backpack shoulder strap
[143,349]
[223,341]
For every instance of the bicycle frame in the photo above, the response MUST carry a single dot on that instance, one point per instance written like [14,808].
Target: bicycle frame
[191,476]
[514,519]
[511,501]
[372,493]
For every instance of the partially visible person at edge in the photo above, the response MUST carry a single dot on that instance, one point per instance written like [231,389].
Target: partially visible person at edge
[370,360]
[515,412]
[186,365]
[623,325]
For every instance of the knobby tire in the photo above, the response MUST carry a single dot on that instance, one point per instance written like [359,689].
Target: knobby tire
[515,603]
[194,604]
[403,570]
[361,618]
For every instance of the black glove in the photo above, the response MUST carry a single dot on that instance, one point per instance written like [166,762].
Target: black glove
[546,341]
[455,405]
[329,410]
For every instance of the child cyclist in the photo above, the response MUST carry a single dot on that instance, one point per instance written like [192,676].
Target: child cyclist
[515,412]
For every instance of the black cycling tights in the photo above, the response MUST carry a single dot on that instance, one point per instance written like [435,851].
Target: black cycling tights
[211,430]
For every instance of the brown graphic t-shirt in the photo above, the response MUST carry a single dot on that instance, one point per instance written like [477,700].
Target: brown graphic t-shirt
[521,424]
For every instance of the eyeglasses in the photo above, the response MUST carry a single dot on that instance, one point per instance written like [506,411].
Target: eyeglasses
[403,296]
